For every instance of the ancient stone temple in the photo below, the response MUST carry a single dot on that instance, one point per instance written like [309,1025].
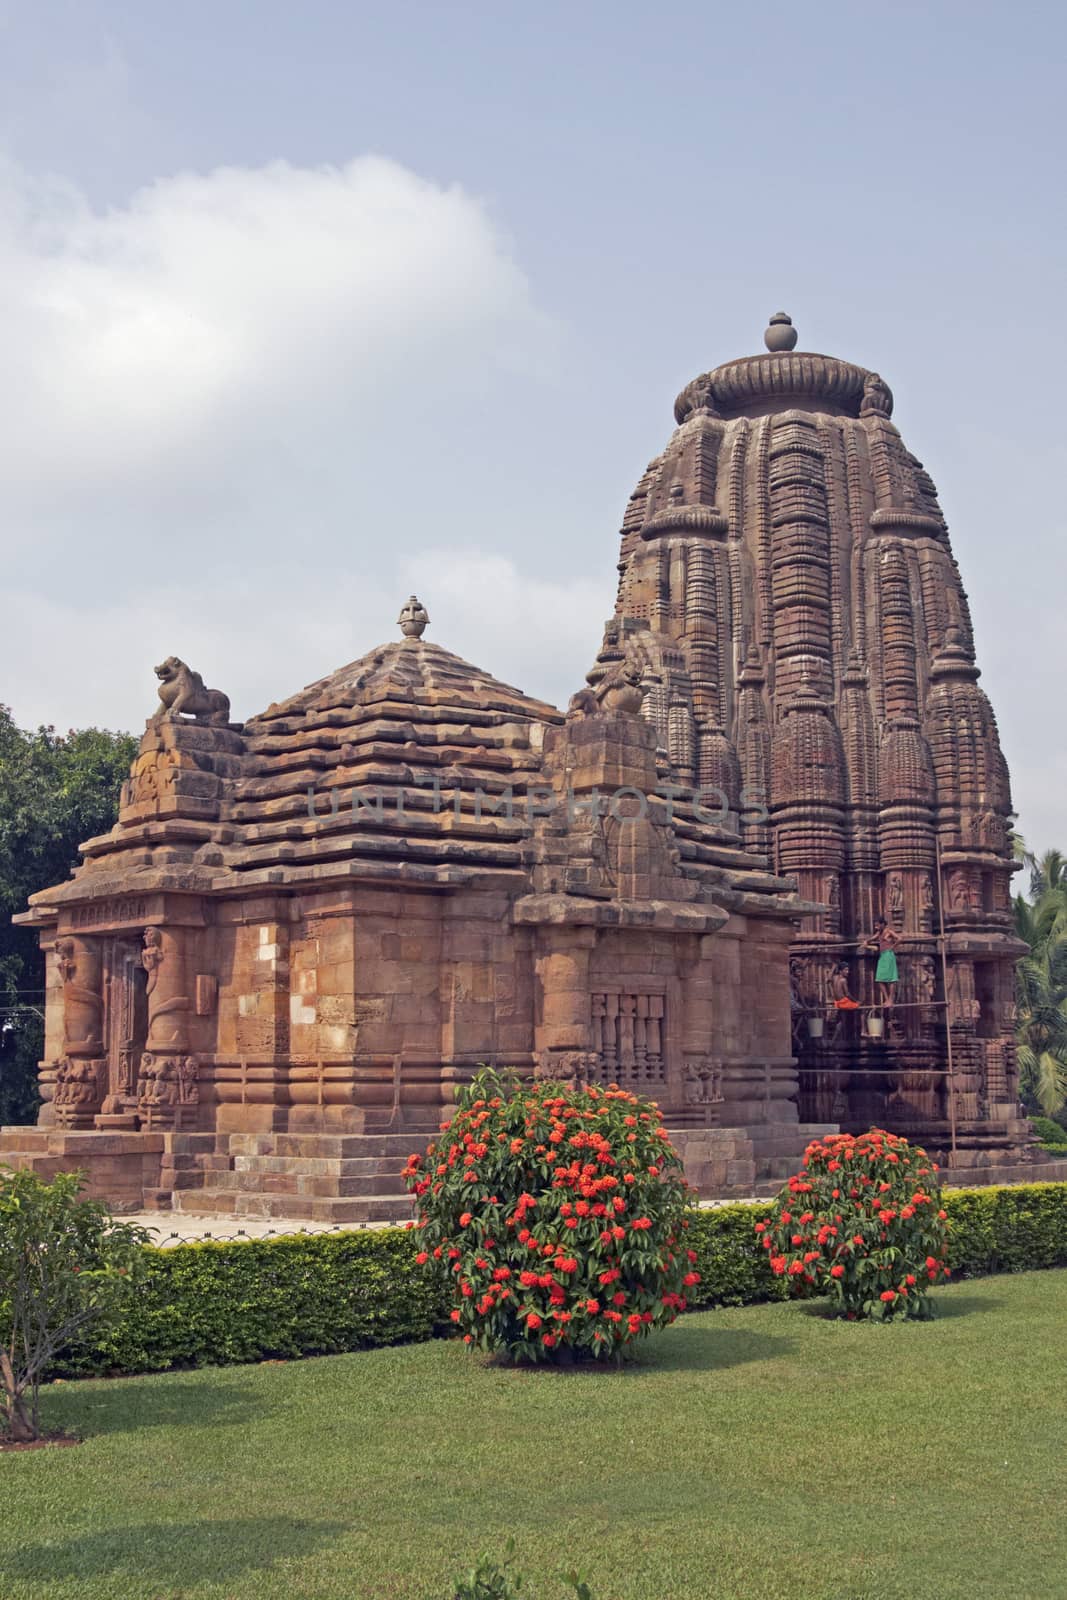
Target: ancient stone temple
[304,931]
[787,578]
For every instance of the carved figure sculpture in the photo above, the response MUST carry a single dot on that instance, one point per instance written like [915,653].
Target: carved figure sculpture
[896,895]
[877,397]
[66,962]
[182,693]
[188,1093]
[959,892]
[152,956]
[622,688]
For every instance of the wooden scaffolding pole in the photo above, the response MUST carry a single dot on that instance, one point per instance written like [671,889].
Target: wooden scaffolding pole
[951,1084]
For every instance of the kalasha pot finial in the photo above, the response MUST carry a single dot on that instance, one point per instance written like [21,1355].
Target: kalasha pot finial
[781,334]
[413,618]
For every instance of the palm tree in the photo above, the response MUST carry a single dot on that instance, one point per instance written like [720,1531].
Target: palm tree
[1041,921]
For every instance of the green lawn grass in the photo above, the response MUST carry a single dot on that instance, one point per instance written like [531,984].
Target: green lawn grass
[759,1452]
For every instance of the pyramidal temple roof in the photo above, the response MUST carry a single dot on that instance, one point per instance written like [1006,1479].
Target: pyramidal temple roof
[409,673]
[388,754]
[401,762]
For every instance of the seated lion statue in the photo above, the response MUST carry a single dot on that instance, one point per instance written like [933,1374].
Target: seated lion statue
[182,693]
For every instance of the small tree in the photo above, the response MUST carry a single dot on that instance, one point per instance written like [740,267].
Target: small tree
[65,1268]
[559,1214]
[863,1223]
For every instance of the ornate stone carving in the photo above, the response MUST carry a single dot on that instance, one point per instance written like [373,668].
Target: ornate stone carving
[168,1081]
[622,689]
[833,646]
[696,396]
[628,1039]
[66,963]
[154,776]
[182,693]
[895,896]
[188,1091]
[414,618]
[152,956]
[703,1082]
[79,1091]
[877,397]
[567,1066]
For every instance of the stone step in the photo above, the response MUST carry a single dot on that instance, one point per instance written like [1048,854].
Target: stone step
[297,1183]
[22,1140]
[386,1167]
[326,1146]
[226,1203]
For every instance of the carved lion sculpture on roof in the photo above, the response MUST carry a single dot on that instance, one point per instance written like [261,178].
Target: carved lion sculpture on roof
[182,693]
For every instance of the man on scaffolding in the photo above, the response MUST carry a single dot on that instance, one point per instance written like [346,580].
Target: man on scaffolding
[884,940]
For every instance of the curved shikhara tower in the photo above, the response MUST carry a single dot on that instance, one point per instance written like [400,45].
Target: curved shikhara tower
[788,587]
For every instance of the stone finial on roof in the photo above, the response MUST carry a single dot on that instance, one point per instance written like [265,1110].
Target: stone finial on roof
[781,334]
[413,618]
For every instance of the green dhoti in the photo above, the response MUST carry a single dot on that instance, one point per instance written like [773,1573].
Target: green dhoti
[886,970]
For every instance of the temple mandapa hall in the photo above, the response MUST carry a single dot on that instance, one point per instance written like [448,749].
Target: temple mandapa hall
[759,870]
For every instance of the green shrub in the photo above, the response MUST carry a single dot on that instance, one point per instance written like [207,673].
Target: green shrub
[491,1580]
[1053,1135]
[862,1222]
[558,1214]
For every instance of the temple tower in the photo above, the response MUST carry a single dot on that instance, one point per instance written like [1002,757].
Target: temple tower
[786,574]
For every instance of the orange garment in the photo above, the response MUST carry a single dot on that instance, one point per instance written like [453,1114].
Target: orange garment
[846,1004]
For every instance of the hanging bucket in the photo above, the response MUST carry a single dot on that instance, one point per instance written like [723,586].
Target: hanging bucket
[815,1027]
[875,1027]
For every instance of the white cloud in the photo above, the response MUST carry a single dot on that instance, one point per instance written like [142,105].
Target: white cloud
[229,412]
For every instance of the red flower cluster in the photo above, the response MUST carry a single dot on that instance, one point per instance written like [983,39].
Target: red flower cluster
[863,1222]
[558,1215]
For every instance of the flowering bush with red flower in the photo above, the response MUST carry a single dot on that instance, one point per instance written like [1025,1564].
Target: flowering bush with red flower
[862,1222]
[558,1214]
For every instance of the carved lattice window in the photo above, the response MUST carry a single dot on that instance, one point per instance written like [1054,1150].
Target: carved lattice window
[628,1039]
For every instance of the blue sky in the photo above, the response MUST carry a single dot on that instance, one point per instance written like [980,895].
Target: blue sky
[305,306]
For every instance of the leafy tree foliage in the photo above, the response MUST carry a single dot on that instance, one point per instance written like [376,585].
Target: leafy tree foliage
[1041,920]
[56,791]
[65,1268]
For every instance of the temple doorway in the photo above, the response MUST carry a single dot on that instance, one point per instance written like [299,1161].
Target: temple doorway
[126,1023]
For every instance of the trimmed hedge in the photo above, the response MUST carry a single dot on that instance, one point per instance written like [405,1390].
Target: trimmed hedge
[1014,1229]
[322,1294]
[216,1304]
